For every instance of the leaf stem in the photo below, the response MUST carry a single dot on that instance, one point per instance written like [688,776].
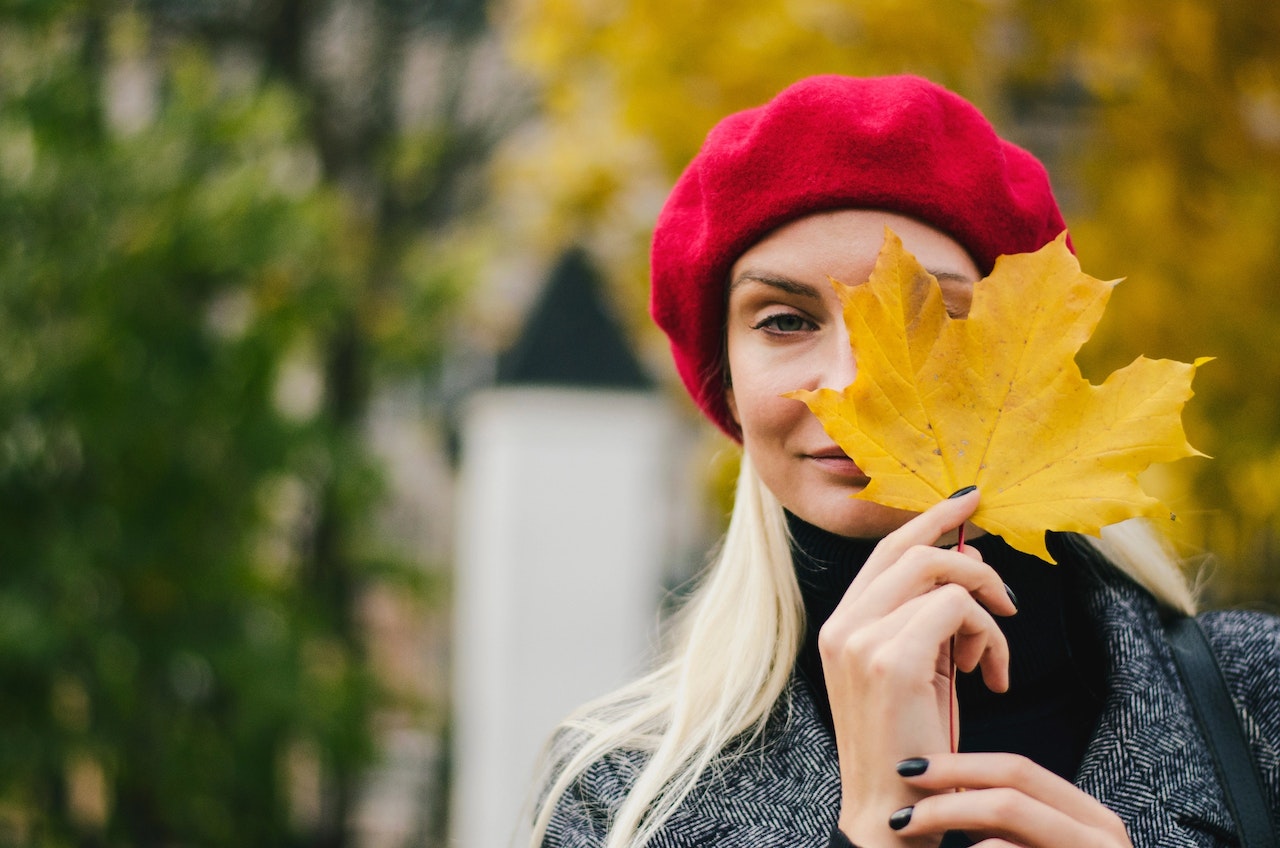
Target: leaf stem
[951,695]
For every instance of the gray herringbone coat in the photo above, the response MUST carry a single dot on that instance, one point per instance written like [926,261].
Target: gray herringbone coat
[1146,760]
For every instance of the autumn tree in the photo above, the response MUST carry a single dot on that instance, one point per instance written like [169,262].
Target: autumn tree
[1160,123]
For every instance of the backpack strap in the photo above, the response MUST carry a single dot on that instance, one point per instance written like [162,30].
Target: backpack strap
[1219,723]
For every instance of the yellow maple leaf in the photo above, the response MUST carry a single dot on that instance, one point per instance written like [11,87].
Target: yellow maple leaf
[996,399]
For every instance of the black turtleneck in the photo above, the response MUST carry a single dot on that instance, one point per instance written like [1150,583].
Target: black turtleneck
[1056,669]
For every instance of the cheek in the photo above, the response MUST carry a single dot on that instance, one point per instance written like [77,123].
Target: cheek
[761,410]
[759,380]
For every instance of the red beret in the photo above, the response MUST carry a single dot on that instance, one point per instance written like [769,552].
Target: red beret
[901,144]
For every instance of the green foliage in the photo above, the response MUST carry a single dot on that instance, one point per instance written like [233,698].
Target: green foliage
[184,299]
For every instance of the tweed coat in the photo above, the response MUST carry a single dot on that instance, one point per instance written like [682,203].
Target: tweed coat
[1146,760]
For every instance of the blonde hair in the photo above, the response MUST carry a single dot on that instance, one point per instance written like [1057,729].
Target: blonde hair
[728,661]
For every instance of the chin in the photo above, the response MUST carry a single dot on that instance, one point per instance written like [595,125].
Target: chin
[857,519]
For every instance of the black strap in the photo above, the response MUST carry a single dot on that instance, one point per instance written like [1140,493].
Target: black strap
[1220,725]
[839,840]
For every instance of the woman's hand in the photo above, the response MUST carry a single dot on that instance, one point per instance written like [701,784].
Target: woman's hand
[886,654]
[1008,801]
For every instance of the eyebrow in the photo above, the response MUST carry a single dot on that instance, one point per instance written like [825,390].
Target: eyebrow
[795,287]
[785,284]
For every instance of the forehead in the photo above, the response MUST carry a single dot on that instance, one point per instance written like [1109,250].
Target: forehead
[845,243]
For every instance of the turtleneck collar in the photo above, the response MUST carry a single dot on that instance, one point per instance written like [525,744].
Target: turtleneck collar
[1055,673]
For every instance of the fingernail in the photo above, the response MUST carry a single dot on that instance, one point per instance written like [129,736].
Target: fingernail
[960,493]
[1013,599]
[901,818]
[913,767]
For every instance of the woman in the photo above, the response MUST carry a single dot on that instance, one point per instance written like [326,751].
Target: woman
[804,698]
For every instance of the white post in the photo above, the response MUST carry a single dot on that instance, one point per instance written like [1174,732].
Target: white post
[563,532]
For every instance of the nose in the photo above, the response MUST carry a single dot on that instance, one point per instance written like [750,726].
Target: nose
[841,365]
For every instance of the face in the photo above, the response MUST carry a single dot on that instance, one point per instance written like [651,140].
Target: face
[785,331]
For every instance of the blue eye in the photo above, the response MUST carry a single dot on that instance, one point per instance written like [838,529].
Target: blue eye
[785,322]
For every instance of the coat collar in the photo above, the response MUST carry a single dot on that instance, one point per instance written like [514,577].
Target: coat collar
[1146,760]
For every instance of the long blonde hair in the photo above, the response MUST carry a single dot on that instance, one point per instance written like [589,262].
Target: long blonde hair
[710,685]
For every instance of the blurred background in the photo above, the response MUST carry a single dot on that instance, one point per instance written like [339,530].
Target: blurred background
[337,456]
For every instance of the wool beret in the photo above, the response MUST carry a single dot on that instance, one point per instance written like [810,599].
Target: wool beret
[900,144]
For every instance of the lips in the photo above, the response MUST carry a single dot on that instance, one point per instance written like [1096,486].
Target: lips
[838,462]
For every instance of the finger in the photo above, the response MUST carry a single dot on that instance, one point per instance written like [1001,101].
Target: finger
[924,529]
[971,532]
[976,641]
[921,569]
[989,771]
[1003,813]
[903,647]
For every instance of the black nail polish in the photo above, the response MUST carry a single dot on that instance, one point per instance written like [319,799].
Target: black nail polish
[913,767]
[960,493]
[1012,597]
[901,818]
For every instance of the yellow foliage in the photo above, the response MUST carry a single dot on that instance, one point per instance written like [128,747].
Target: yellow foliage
[1159,120]
[995,399]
